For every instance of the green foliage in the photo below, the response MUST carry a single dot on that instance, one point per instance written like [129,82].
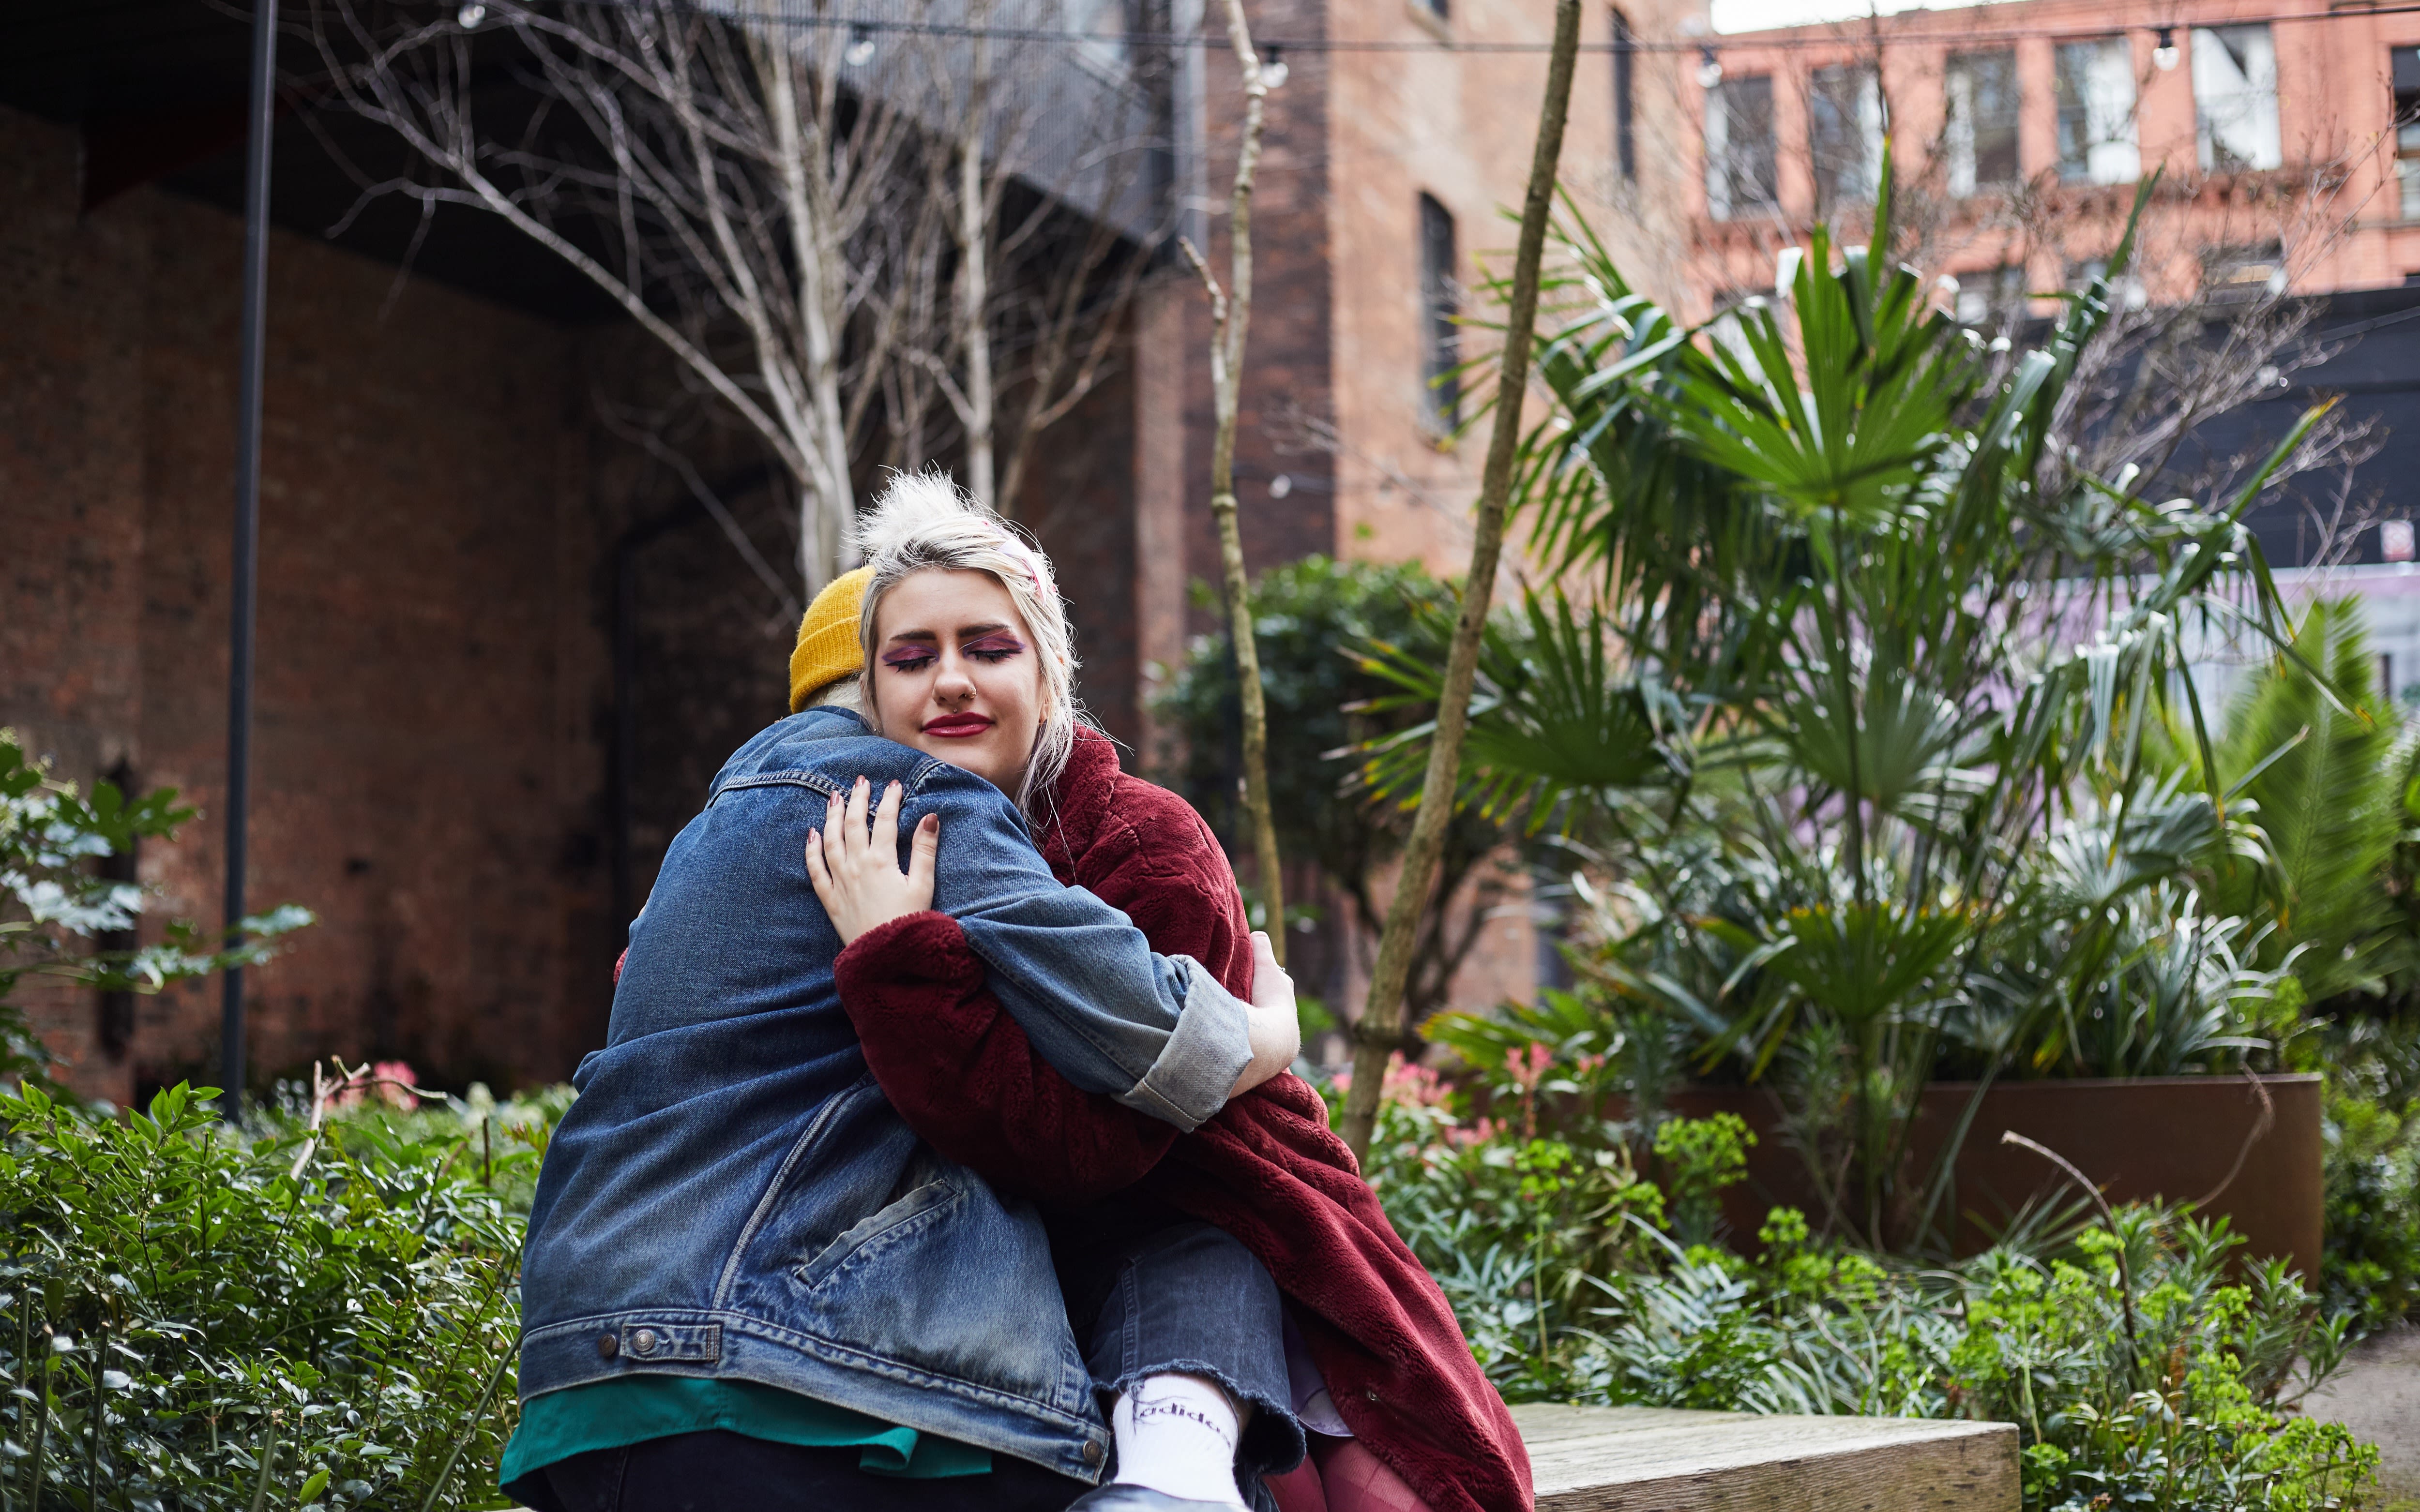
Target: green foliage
[1573,1287]
[194,1318]
[2372,1270]
[1701,1157]
[1863,706]
[1325,630]
[2317,761]
[54,901]
[1311,619]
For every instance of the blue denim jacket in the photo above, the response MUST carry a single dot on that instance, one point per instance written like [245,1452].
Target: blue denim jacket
[732,1196]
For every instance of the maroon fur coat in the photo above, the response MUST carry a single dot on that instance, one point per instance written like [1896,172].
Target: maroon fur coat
[1266,1169]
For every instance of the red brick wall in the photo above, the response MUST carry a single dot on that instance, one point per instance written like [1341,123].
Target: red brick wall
[1287,372]
[434,713]
[428,753]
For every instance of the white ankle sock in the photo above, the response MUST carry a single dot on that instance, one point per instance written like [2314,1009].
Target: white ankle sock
[1176,1435]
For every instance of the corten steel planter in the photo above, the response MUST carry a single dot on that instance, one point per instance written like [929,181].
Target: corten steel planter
[2173,1137]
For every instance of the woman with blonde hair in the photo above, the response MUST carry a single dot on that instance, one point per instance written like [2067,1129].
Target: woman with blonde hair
[747,1281]
[1354,1339]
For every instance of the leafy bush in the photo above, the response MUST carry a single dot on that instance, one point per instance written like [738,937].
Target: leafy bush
[198,1317]
[2319,763]
[2156,1382]
[2372,1270]
[1863,688]
[1314,620]
[54,901]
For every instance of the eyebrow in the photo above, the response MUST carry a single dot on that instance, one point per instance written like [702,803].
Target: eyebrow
[969,632]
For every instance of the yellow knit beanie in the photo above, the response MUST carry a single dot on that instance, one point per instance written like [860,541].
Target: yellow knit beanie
[828,649]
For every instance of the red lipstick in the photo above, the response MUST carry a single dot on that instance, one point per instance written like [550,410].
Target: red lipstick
[958,726]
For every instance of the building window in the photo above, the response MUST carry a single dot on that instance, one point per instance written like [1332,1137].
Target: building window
[2404,64]
[1102,25]
[1982,129]
[2232,275]
[1990,296]
[1435,7]
[1844,133]
[1625,144]
[1441,346]
[2235,98]
[1739,147]
[2095,82]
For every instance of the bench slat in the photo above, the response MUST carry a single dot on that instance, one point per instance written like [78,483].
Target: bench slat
[1666,1459]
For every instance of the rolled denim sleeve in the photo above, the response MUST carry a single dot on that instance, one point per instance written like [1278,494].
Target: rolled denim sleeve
[1157,1033]
[1206,1051]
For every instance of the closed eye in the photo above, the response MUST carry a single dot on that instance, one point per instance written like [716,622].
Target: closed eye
[994,648]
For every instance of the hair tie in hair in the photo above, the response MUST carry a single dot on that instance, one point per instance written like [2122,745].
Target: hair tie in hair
[1025,557]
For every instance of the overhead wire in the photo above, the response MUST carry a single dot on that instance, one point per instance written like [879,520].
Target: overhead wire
[1907,25]
[1770,37]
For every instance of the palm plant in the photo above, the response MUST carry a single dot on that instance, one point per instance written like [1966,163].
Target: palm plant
[2317,763]
[1847,629]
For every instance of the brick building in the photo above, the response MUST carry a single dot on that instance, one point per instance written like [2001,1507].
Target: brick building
[2288,155]
[501,648]
[1402,134]
[2020,131]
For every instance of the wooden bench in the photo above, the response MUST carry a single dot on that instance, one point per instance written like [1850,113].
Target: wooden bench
[1663,1460]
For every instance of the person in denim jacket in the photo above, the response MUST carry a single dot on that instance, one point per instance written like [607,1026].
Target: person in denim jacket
[746,1281]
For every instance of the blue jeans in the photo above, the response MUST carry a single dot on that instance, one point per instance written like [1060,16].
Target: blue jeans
[1186,1298]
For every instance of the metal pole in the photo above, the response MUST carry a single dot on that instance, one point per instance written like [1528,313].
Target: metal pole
[247,524]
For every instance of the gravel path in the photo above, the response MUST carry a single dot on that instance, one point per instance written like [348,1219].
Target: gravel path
[2378,1396]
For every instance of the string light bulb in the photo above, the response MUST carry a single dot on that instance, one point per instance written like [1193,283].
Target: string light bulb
[860,50]
[469,17]
[1710,67]
[2165,54]
[1273,68]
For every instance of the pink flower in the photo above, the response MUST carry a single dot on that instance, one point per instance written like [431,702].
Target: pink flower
[394,1082]
[397,1082]
[1417,1085]
[1479,1133]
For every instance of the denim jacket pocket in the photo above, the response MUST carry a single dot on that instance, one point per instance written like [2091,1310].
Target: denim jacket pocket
[931,1191]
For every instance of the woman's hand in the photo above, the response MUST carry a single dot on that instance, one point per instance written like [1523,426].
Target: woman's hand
[856,867]
[1276,1032]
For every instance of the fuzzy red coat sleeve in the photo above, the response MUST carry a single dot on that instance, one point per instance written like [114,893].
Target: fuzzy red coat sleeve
[966,1078]
[960,1070]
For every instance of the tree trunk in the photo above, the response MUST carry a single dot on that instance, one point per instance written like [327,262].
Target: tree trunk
[824,490]
[974,272]
[1382,1015]
[1230,315]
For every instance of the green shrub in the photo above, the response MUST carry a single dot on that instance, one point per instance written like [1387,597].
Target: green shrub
[1315,622]
[194,1318]
[55,903]
[2161,1383]
[2372,1271]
